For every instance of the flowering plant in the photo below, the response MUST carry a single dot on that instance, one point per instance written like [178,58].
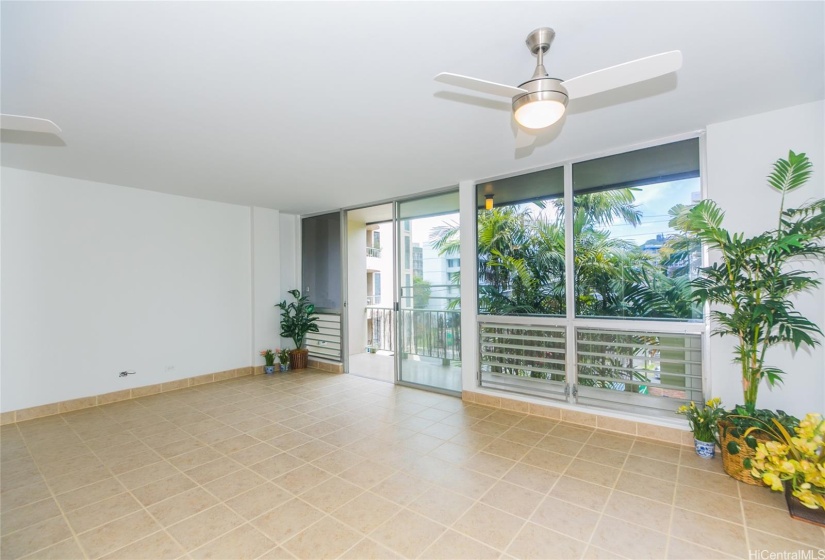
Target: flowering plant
[283,355]
[703,421]
[269,356]
[798,460]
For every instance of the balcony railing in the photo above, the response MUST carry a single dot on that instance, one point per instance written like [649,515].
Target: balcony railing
[374,252]
[424,332]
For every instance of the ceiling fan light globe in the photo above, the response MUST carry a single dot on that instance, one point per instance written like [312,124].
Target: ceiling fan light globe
[539,114]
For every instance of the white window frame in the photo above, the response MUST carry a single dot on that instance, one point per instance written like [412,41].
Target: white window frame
[570,322]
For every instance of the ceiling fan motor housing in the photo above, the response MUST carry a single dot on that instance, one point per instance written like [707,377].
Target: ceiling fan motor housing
[541,89]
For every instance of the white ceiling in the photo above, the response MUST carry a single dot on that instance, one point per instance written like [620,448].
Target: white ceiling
[313,106]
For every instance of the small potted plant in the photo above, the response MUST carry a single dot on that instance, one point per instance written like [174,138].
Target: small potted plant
[795,465]
[297,320]
[283,358]
[703,423]
[269,357]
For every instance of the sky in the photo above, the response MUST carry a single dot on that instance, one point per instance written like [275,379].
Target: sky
[654,201]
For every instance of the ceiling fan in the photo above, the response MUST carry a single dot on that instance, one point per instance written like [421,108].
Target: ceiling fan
[28,124]
[541,101]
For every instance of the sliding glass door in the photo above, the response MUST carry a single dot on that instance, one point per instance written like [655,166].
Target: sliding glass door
[428,310]
[370,308]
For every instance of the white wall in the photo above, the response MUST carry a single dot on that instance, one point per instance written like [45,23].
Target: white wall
[740,155]
[266,280]
[469,286]
[290,263]
[98,279]
[356,314]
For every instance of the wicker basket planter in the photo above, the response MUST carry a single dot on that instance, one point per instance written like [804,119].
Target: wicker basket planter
[298,359]
[732,464]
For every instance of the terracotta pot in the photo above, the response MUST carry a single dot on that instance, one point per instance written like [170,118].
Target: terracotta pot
[298,358]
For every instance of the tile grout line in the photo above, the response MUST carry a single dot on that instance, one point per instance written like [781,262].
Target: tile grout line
[131,494]
[54,498]
[399,413]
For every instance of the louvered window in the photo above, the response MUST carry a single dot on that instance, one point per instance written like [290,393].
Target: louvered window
[584,287]
[637,370]
[528,359]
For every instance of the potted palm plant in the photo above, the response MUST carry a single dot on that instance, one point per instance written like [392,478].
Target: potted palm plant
[752,286]
[297,320]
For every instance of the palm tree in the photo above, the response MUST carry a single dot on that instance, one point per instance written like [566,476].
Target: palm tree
[521,261]
[603,207]
[752,285]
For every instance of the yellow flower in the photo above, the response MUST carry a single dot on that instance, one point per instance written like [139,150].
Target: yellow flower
[799,459]
[773,481]
[787,467]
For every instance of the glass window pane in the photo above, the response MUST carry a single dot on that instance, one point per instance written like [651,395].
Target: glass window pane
[521,264]
[628,261]
[321,260]
[429,314]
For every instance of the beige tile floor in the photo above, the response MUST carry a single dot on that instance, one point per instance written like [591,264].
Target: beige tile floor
[427,372]
[315,465]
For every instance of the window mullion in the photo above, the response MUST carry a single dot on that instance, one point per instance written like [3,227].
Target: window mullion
[569,275]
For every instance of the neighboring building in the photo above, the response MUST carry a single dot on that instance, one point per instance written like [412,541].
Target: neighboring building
[437,271]
[418,260]
[379,264]
[653,246]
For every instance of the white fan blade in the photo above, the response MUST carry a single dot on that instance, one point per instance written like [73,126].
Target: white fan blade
[623,74]
[479,85]
[28,124]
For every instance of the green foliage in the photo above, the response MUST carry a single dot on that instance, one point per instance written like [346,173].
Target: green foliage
[521,270]
[703,419]
[743,421]
[521,262]
[421,292]
[602,208]
[752,284]
[269,357]
[297,318]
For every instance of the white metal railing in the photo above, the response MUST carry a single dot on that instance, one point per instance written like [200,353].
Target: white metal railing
[424,332]
[374,252]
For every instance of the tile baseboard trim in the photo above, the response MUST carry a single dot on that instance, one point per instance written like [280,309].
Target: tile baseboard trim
[582,418]
[31,413]
[323,365]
